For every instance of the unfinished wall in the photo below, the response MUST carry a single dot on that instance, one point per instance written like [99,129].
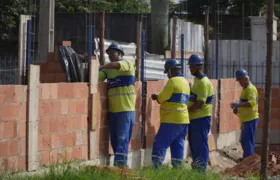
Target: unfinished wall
[13,127]
[64,122]
[275,116]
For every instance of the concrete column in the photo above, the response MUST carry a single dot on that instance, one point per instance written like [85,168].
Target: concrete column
[46,29]
[33,114]
[258,28]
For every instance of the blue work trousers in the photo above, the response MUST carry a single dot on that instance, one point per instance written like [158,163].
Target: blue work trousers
[198,140]
[173,136]
[248,137]
[121,126]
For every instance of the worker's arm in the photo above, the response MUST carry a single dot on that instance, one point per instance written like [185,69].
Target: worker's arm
[102,75]
[201,96]
[165,94]
[252,100]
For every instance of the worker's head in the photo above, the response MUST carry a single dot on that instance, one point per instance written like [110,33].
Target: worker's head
[172,68]
[115,52]
[242,77]
[195,64]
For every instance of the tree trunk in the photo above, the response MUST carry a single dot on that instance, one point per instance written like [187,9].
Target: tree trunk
[159,17]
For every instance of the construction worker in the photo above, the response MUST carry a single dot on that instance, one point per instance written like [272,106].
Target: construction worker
[120,75]
[200,111]
[247,111]
[174,116]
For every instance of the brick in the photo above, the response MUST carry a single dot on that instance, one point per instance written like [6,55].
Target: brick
[23,111]
[44,91]
[12,94]
[54,156]
[275,103]
[136,133]
[66,90]
[84,152]
[72,107]
[103,104]
[275,113]
[44,125]
[9,148]
[46,108]
[11,163]
[50,57]
[275,92]
[10,129]
[55,140]
[68,138]
[58,124]
[60,77]
[275,123]
[64,106]
[44,142]
[22,163]
[53,67]
[9,111]
[81,106]
[135,144]
[227,83]
[79,138]
[84,121]
[81,90]
[149,141]
[56,105]
[44,158]
[22,146]
[64,43]
[77,153]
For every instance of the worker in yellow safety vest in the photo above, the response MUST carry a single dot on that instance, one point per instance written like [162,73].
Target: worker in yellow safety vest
[247,111]
[120,74]
[200,110]
[174,116]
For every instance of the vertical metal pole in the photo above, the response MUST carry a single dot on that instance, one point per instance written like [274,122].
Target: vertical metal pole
[173,51]
[217,56]
[102,34]
[90,42]
[206,41]
[267,99]
[138,50]
[143,123]
[183,54]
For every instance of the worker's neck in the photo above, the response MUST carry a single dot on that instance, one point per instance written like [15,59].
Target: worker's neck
[199,74]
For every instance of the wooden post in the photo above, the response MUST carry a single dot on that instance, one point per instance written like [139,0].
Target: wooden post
[33,114]
[138,50]
[101,38]
[206,40]
[173,51]
[267,99]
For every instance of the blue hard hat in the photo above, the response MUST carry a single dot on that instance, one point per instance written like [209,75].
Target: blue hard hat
[116,47]
[240,73]
[195,59]
[170,63]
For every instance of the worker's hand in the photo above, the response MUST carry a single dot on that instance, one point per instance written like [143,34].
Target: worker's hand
[154,97]
[235,110]
[234,105]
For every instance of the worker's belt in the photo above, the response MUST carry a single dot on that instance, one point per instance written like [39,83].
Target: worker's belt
[209,100]
[179,98]
[121,81]
[121,94]
[173,110]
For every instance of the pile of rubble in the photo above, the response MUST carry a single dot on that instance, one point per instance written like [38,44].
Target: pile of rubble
[251,166]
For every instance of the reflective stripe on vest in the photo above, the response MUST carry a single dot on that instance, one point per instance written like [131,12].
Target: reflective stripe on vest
[121,81]
[247,112]
[121,94]
[173,110]
[209,99]
[179,98]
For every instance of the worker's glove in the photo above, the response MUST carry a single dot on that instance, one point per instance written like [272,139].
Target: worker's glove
[235,110]
[154,97]
[234,105]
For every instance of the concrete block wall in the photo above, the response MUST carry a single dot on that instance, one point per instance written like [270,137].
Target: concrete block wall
[13,116]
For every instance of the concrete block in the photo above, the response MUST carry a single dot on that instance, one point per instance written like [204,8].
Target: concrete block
[213,160]
[227,139]
[211,143]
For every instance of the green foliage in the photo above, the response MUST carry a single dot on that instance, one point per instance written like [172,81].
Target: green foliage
[9,14]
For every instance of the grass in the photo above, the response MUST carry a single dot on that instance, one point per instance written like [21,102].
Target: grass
[68,172]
